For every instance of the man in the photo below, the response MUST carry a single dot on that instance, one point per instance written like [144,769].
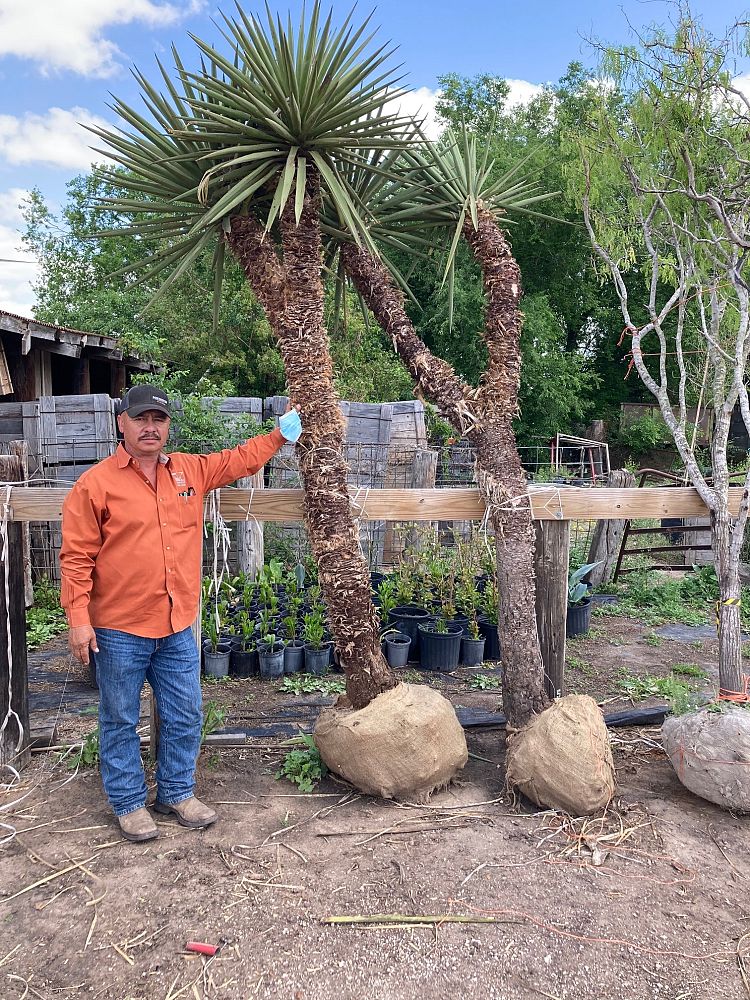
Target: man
[131,572]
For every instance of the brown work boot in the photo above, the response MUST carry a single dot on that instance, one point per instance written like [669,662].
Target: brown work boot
[190,812]
[138,825]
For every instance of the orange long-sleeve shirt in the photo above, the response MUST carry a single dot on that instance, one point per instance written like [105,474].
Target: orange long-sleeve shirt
[131,553]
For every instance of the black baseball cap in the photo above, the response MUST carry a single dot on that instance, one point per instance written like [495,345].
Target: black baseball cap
[140,398]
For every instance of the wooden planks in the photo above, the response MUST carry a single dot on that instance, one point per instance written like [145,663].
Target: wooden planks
[547,503]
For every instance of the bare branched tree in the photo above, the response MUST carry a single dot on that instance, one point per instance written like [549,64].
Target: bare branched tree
[665,193]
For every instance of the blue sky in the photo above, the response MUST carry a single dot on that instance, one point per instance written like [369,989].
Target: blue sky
[61,59]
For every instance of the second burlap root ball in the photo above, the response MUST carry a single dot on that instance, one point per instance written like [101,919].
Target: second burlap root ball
[562,759]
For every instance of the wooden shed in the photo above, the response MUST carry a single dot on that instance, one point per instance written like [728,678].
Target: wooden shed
[41,359]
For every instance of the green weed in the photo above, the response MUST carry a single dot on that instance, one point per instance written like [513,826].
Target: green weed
[574,663]
[485,682]
[652,639]
[688,670]
[410,676]
[87,755]
[676,692]
[310,684]
[214,717]
[304,768]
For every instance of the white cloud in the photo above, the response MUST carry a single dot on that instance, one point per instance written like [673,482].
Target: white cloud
[16,294]
[521,92]
[68,34]
[56,138]
[742,83]
[420,104]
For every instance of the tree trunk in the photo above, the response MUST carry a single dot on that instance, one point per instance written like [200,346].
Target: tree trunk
[500,475]
[485,416]
[292,295]
[728,614]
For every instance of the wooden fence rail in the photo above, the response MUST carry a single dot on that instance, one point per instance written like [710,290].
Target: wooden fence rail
[548,503]
[552,507]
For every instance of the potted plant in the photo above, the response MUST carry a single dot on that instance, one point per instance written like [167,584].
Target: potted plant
[578,618]
[294,648]
[317,650]
[386,598]
[215,654]
[244,660]
[440,644]
[396,648]
[487,619]
[472,642]
[271,656]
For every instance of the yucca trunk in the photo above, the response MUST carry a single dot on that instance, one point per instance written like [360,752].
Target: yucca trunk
[485,417]
[291,293]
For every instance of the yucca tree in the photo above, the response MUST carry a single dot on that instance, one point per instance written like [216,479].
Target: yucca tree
[239,155]
[448,188]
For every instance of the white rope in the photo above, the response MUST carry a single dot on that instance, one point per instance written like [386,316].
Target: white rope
[220,531]
[10,713]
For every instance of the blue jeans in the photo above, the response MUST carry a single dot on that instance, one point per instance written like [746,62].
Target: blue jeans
[172,668]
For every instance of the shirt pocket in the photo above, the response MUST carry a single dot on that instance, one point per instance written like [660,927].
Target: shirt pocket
[191,509]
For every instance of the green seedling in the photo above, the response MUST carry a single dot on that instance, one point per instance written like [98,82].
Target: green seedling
[304,768]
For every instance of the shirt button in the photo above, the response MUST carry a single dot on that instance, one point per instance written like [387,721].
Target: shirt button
[163,524]
[167,548]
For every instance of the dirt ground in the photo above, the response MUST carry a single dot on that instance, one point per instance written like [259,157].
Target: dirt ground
[649,901]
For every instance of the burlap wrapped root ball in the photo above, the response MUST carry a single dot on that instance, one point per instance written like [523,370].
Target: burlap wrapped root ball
[710,752]
[406,743]
[562,759]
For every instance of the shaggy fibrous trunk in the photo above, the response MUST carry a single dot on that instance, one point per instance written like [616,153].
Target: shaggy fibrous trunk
[291,293]
[500,475]
[484,416]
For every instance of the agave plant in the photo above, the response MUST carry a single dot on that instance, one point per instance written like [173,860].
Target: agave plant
[239,155]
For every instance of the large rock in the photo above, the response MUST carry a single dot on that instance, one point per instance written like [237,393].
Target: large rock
[710,751]
[406,743]
[562,759]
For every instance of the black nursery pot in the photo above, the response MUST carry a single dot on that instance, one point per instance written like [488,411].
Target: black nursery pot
[472,651]
[317,658]
[578,618]
[271,660]
[294,656]
[407,618]
[440,650]
[491,642]
[397,649]
[243,663]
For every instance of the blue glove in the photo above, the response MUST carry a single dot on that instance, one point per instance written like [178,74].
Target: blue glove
[290,425]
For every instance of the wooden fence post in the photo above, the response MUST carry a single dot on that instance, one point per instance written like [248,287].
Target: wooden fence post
[551,570]
[250,552]
[607,536]
[21,449]
[14,685]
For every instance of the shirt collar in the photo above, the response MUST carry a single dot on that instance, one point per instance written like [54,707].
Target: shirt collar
[124,458]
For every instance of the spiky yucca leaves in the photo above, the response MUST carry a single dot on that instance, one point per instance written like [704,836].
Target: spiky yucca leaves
[240,154]
[467,198]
